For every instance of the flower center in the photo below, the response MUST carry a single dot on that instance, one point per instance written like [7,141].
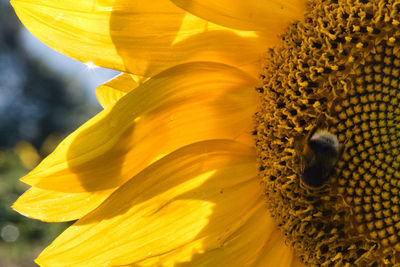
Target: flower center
[328,133]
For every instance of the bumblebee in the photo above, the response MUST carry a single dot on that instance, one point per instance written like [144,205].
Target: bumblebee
[319,156]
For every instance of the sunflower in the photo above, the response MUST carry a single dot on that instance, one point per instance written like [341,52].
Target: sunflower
[262,133]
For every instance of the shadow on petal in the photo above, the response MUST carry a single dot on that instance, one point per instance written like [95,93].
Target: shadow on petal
[194,200]
[151,38]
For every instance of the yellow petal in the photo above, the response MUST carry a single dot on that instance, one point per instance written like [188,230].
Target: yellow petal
[183,105]
[256,243]
[270,16]
[52,206]
[141,37]
[200,196]
[241,248]
[110,92]
[276,253]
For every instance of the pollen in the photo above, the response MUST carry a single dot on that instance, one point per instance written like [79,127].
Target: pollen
[337,72]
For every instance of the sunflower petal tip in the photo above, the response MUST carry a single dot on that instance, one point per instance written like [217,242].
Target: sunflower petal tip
[27,179]
[39,261]
[17,207]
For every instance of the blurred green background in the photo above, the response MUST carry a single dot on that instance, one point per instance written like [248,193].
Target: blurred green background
[38,107]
